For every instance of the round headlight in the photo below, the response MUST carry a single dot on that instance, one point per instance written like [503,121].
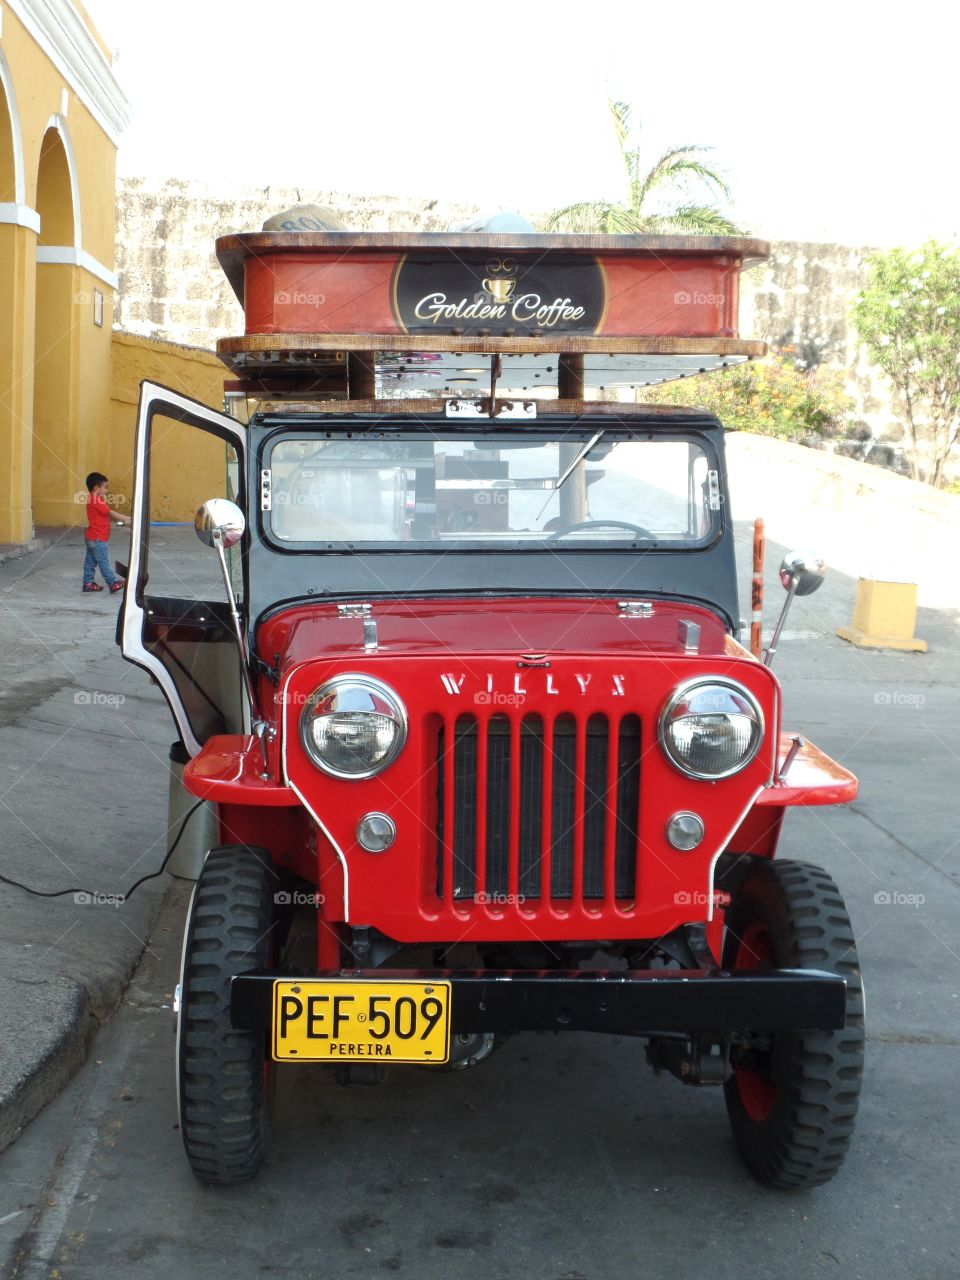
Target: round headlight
[711,728]
[353,726]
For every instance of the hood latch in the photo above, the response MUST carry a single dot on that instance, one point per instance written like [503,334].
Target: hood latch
[365,613]
[635,608]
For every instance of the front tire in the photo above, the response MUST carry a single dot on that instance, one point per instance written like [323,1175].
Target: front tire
[792,1103]
[221,1069]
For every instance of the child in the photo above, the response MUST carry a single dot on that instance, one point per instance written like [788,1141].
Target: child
[97,535]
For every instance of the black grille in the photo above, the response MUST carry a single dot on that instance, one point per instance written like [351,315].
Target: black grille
[620,807]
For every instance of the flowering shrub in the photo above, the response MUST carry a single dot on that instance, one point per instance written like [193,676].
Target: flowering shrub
[908,318]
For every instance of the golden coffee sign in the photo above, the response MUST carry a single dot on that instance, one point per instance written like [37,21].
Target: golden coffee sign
[500,295]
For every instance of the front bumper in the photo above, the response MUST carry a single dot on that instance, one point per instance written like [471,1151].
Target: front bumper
[631,1002]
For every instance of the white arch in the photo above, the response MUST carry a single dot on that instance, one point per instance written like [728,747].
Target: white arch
[58,123]
[18,180]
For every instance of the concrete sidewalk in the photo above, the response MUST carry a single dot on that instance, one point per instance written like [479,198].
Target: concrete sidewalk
[83,780]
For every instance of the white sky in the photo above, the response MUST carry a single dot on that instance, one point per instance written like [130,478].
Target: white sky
[832,121]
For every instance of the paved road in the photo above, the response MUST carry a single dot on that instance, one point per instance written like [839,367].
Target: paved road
[563,1158]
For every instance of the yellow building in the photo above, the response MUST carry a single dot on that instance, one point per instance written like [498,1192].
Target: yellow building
[61,113]
[67,383]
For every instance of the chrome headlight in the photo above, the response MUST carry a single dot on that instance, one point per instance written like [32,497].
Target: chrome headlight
[711,728]
[353,726]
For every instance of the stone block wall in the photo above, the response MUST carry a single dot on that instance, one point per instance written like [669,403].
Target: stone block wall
[171,285]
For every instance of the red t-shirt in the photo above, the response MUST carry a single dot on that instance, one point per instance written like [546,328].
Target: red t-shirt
[98,518]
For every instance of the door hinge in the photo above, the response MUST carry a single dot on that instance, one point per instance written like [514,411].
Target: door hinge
[266,496]
[713,490]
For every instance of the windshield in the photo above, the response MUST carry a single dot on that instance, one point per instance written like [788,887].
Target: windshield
[424,488]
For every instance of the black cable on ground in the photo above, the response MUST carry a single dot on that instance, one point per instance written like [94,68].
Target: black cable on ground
[62,893]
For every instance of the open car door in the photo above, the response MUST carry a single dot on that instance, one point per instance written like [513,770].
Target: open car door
[175,622]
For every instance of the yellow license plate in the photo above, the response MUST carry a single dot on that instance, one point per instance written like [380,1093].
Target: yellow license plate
[340,1020]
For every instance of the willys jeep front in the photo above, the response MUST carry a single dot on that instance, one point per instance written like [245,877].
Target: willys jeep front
[485,752]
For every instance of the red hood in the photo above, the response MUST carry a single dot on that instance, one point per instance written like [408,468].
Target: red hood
[539,626]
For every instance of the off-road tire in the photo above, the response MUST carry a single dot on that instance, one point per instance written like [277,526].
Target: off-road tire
[221,1069]
[814,1077]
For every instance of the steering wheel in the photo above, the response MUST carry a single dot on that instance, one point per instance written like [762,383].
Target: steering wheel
[603,524]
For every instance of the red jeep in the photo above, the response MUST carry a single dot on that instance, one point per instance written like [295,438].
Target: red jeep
[461,677]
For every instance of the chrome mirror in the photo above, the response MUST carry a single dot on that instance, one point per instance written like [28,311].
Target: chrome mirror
[804,573]
[219,516]
[219,523]
[801,575]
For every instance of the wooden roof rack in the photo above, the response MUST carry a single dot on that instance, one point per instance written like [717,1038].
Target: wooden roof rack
[371,316]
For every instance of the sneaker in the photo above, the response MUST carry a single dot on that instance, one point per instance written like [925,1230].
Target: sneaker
[117,586]
[92,586]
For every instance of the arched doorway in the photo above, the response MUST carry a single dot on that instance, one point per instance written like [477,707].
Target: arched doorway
[55,484]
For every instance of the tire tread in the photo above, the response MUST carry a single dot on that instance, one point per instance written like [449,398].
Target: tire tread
[220,1069]
[805,1139]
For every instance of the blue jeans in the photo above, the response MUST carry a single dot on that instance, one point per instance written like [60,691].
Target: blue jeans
[98,557]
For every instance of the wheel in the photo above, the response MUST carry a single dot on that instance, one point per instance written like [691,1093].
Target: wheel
[792,1099]
[601,524]
[222,1070]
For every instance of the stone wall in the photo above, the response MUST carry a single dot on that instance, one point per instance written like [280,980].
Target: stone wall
[801,297]
[171,285]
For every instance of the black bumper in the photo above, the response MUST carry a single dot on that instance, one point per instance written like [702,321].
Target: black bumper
[633,1002]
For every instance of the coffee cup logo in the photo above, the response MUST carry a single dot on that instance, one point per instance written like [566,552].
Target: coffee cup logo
[498,283]
[499,289]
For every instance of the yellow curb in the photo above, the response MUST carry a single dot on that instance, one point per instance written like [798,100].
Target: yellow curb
[864,640]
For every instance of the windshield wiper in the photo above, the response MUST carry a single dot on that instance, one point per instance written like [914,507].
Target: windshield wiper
[570,470]
[578,459]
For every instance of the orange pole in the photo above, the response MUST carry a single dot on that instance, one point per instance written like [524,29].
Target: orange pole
[756,621]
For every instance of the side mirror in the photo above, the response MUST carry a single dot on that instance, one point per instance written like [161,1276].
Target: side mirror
[219,516]
[219,523]
[804,573]
[801,575]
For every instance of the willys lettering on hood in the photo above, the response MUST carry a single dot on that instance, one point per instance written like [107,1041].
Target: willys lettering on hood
[496,691]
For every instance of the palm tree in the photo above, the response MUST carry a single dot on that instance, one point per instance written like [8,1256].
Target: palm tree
[674,169]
